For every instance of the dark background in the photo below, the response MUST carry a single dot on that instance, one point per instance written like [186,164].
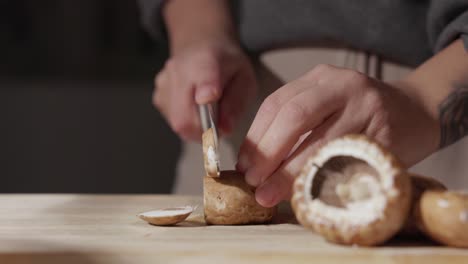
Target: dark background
[75,100]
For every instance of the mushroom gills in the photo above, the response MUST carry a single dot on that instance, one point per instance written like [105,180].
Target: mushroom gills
[352,191]
[350,183]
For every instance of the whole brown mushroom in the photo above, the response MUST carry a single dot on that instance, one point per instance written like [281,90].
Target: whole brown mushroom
[419,184]
[352,191]
[229,200]
[444,217]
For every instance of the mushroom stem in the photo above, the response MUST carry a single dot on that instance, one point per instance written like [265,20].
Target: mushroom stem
[359,188]
[229,200]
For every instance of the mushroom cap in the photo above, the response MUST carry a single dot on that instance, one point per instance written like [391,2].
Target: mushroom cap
[444,216]
[229,200]
[210,153]
[167,216]
[363,164]
[419,184]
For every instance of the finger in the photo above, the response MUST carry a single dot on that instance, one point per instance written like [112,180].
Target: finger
[185,120]
[182,111]
[159,85]
[269,109]
[320,74]
[303,113]
[208,80]
[265,116]
[236,96]
[278,187]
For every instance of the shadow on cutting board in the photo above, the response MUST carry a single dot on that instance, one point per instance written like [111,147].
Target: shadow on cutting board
[284,215]
[39,252]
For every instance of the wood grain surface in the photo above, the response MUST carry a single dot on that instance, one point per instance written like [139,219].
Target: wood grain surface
[92,229]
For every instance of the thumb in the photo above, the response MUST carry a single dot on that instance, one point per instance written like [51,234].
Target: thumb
[208,85]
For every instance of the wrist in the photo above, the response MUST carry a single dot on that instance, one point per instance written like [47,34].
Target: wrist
[210,40]
[428,125]
[198,22]
[417,92]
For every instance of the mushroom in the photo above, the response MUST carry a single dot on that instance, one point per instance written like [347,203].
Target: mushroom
[419,184]
[444,217]
[210,153]
[352,191]
[229,200]
[167,216]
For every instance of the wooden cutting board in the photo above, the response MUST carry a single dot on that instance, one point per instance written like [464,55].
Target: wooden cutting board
[92,229]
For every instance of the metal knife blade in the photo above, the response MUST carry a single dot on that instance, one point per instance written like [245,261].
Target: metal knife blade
[208,116]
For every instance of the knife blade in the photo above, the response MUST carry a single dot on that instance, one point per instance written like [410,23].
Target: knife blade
[208,121]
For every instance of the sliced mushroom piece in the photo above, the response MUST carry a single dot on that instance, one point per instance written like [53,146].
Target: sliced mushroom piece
[444,217]
[352,191]
[229,200]
[167,216]
[210,153]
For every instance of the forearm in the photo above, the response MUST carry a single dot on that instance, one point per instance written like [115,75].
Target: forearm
[441,86]
[191,21]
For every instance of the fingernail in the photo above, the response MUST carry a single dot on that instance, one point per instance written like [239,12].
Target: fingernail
[266,195]
[205,94]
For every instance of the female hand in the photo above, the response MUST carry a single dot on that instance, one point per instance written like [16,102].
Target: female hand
[330,102]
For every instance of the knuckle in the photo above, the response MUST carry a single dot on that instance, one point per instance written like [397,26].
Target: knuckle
[210,69]
[157,100]
[205,59]
[357,78]
[158,80]
[320,72]
[270,105]
[322,69]
[170,64]
[206,72]
[210,54]
[295,112]
[375,100]
[210,75]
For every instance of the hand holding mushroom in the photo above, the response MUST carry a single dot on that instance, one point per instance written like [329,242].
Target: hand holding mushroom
[329,102]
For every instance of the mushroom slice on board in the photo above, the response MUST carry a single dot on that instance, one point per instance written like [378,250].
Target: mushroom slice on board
[352,191]
[444,217]
[167,216]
